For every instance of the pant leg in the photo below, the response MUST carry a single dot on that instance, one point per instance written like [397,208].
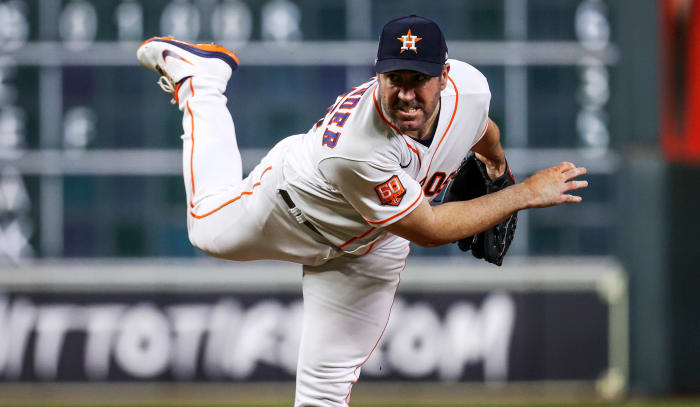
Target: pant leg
[345,314]
[227,216]
[211,159]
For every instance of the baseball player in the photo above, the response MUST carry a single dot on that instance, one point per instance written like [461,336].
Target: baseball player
[345,199]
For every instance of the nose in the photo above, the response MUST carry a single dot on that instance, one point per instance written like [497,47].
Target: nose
[406,94]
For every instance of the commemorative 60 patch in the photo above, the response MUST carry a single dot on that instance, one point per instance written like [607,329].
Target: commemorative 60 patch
[391,192]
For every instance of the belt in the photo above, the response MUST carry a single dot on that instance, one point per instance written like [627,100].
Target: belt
[296,212]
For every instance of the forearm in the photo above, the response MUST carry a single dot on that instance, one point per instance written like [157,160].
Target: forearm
[434,226]
[431,226]
[456,220]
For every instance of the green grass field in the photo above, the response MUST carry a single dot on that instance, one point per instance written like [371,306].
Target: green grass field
[655,403]
[282,395]
[629,403]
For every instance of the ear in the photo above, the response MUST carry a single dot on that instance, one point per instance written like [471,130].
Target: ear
[443,76]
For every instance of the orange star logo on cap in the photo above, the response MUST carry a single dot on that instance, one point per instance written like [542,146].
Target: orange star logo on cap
[409,41]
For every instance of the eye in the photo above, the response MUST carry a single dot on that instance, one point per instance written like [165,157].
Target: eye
[422,78]
[393,78]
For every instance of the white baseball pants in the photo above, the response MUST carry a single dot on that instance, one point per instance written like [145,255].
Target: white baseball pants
[347,299]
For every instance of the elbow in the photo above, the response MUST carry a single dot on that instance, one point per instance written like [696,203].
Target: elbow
[427,237]
[427,242]
[429,245]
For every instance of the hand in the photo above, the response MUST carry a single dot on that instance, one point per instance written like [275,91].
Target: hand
[494,167]
[548,187]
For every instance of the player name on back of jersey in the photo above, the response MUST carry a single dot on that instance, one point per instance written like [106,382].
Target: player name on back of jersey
[341,112]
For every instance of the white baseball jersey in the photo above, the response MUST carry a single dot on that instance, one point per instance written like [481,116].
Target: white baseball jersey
[354,172]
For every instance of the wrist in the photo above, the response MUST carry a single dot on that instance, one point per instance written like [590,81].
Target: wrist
[522,195]
[495,164]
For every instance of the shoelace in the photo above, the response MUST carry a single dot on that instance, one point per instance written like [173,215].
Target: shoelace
[167,85]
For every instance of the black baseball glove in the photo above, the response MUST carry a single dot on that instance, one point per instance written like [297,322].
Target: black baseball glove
[472,181]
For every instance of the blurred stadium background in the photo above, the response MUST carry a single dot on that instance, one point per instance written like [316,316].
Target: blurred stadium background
[103,300]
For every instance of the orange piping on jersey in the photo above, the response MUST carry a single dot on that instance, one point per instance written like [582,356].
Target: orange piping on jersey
[371,247]
[379,222]
[381,115]
[354,372]
[413,149]
[257,184]
[191,152]
[454,112]
[357,237]
[177,89]
[191,87]
[379,110]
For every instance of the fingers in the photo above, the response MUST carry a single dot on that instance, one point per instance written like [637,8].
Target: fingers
[571,198]
[570,171]
[572,185]
[550,186]
[574,172]
[565,166]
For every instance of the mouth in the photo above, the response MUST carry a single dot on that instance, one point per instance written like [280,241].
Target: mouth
[407,112]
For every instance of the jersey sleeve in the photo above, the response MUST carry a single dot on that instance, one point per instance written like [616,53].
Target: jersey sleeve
[482,124]
[474,114]
[381,196]
[474,100]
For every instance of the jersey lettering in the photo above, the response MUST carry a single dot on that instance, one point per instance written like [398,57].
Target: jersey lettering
[320,121]
[349,103]
[339,119]
[359,92]
[391,192]
[330,139]
[447,181]
[438,182]
[330,109]
[434,186]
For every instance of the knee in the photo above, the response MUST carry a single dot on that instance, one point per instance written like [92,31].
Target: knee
[211,239]
[200,239]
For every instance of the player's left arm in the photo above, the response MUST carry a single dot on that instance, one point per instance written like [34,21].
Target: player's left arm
[431,226]
[490,152]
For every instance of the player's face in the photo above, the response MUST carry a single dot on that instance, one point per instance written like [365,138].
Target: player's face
[410,99]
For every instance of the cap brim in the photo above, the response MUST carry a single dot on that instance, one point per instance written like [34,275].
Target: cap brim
[400,64]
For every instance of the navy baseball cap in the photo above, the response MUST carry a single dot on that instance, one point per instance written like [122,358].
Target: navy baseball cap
[412,43]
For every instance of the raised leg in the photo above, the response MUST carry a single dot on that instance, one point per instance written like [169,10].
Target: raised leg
[211,160]
[197,75]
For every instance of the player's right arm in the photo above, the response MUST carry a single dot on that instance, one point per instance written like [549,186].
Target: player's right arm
[489,150]
[431,226]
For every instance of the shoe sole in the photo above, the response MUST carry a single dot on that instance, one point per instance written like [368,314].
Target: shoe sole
[201,50]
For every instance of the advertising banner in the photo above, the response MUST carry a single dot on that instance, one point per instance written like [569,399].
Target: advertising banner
[485,336]
[472,331]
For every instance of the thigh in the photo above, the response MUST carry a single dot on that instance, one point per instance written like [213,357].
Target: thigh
[345,314]
[250,221]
